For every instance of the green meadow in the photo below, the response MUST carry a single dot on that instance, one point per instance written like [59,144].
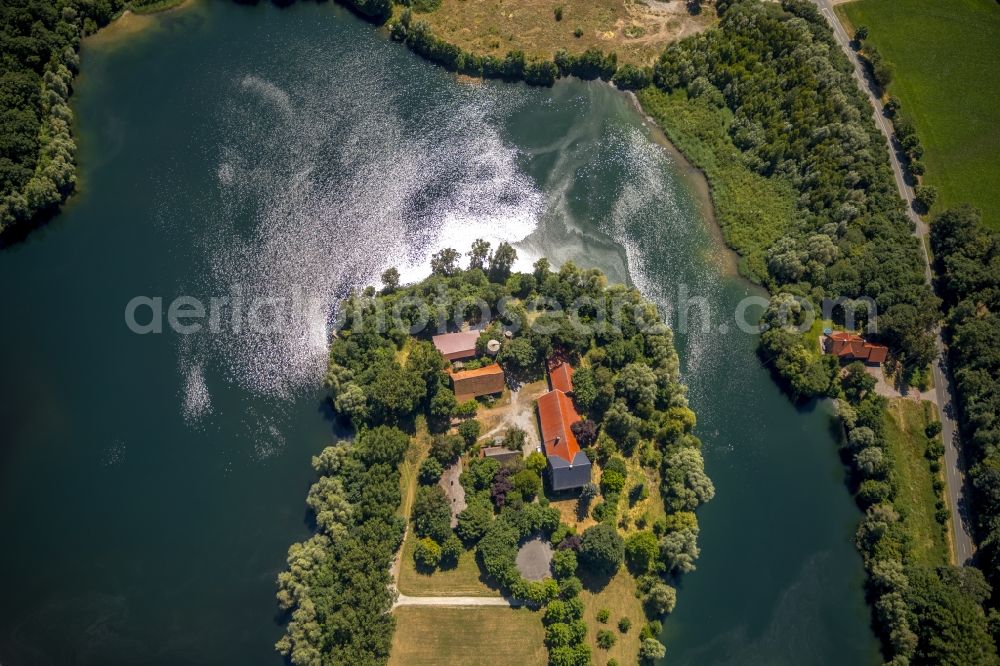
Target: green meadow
[946,76]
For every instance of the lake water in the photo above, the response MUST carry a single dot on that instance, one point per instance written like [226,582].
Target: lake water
[151,484]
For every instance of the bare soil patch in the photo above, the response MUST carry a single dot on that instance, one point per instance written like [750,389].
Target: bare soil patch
[636,30]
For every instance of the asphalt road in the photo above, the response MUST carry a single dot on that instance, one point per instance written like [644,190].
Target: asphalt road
[958,487]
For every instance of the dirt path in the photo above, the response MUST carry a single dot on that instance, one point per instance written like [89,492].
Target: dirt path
[454,491]
[403,600]
[519,412]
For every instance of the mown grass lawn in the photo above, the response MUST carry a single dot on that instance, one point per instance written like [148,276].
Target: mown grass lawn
[466,579]
[410,468]
[946,56]
[618,596]
[467,636]
[906,442]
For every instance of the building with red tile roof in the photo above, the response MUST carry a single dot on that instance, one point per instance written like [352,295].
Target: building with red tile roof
[560,375]
[569,466]
[852,347]
[469,384]
[456,346]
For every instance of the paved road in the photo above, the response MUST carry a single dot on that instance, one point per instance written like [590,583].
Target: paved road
[958,488]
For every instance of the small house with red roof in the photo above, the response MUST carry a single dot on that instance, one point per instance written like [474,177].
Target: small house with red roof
[852,347]
[569,466]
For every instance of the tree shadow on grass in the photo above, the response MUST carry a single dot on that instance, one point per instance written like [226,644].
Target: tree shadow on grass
[594,581]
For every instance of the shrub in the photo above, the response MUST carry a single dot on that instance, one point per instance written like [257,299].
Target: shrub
[451,550]
[651,650]
[925,196]
[650,630]
[603,511]
[528,483]
[585,432]
[467,409]
[427,554]
[605,639]
[514,438]
[432,513]
[559,13]
[561,533]
[660,599]
[469,430]
[570,588]
[578,32]
[430,472]
[603,615]
[447,448]
[564,564]
[616,464]
[536,462]
[474,520]
[624,625]
[602,549]
[612,482]
[641,551]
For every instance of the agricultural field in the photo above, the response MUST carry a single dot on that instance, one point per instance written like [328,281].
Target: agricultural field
[467,636]
[945,56]
[637,31]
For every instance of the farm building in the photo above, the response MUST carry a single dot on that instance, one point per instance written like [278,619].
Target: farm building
[469,384]
[499,453]
[456,346]
[560,375]
[569,467]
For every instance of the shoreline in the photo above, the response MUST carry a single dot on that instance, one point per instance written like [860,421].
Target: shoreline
[131,22]
[726,257]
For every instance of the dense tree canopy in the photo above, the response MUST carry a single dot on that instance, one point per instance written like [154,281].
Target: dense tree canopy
[967,257]
[39,40]
[778,85]
[338,580]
